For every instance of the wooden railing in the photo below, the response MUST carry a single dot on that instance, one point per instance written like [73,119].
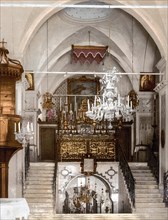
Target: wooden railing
[129,179]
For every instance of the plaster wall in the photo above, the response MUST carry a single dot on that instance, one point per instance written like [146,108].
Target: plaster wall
[15,181]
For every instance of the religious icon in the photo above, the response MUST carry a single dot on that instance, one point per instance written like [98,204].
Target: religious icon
[30,81]
[147,82]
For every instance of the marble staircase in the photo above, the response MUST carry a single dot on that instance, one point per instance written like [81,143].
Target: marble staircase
[39,188]
[39,195]
[87,217]
[148,199]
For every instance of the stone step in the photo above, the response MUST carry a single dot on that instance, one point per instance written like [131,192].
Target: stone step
[153,216]
[39,205]
[152,210]
[148,196]
[42,210]
[149,199]
[86,217]
[42,169]
[140,168]
[139,172]
[38,195]
[39,190]
[142,175]
[40,178]
[96,217]
[39,200]
[41,186]
[40,173]
[150,182]
[42,164]
[39,182]
[147,191]
[149,204]
[145,178]
[138,186]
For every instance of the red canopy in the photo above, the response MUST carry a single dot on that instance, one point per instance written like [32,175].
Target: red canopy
[88,54]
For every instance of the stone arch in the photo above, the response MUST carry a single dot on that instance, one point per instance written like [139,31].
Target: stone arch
[139,15]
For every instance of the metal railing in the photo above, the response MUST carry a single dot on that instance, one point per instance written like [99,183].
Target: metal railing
[54,186]
[153,163]
[165,196]
[27,159]
[129,179]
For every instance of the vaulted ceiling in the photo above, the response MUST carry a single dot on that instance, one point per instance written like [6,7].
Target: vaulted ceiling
[42,37]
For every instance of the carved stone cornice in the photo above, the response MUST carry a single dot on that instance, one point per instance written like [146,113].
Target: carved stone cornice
[160,86]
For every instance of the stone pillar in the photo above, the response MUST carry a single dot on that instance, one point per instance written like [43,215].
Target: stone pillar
[162,90]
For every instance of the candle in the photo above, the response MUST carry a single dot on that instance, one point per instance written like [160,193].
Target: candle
[31,126]
[88,105]
[19,126]
[60,103]
[75,104]
[95,101]
[28,126]
[118,99]
[128,100]
[131,105]
[15,127]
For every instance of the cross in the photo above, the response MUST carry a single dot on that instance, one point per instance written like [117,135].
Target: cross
[2,43]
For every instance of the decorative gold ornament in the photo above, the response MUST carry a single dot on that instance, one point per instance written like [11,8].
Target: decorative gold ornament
[133,98]
[47,101]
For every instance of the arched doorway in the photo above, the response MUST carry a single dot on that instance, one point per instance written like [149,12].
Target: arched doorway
[87,194]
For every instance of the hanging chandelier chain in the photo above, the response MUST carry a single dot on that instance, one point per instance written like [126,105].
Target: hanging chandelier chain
[132,43]
[47,55]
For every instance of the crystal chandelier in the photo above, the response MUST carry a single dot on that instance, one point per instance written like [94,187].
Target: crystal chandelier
[110,106]
[23,131]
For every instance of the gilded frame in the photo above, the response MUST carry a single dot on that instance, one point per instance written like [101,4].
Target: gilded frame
[30,79]
[82,87]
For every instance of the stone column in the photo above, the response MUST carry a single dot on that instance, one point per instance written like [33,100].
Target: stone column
[162,90]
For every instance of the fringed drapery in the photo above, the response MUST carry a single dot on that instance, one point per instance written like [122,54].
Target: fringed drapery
[88,54]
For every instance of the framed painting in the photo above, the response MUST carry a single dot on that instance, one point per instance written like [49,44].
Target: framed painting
[82,88]
[30,80]
[147,82]
[88,166]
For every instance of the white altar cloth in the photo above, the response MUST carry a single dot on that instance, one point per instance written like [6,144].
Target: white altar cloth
[12,208]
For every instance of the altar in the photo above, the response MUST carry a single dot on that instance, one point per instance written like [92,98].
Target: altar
[14,208]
